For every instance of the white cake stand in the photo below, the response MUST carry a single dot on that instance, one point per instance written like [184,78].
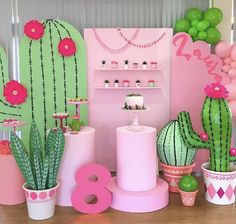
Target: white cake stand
[135,126]
[77,103]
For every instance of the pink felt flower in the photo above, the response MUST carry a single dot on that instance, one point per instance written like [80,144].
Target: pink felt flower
[5,148]
[216,91]
[34,29]
[66,47]
[14,92]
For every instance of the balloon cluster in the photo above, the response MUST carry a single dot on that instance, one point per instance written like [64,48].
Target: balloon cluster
[201,26]
[227,52]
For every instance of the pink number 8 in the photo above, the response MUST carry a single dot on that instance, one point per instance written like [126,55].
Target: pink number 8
[89,187]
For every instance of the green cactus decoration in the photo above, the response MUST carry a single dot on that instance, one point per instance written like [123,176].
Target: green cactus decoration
[217,124]
[50,77]
[6,110]
[39,167]
[171,148]
[76,124]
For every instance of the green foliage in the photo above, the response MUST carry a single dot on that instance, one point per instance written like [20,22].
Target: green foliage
[217,123]
[76,124]
[188,183]
[39,168]
[171,148]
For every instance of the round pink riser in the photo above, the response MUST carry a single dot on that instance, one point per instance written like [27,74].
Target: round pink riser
[79,150]
[143,201]
[11,182]
[136,159]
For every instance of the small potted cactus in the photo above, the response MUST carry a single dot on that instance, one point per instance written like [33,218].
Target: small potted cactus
[219,174]
[39,167]
[175,158]
[126,64]
[144,65]
[188,188]
[138,83]
[75,124]
[103,64]
[106,83]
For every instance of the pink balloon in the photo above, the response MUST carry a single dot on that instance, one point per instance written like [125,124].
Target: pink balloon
[231,88]
[232,73]
[223,49]
[233,53]
[232,105]
[226,68]
[227,61]
[233,64]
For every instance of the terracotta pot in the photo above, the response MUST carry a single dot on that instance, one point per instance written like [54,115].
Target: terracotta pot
[219,186]
[172,174]
[41,203]
[188,198]
[11,192]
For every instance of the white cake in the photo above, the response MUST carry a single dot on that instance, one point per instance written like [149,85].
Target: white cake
[134,102]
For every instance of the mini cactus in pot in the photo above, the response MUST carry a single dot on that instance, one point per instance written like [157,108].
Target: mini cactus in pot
[75,124]
[39,168]
[219,175]
[188,188]
[176,159]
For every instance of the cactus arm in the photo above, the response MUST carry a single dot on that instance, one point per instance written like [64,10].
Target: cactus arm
[6,110]
[190,137]
[22,160]
[232,158]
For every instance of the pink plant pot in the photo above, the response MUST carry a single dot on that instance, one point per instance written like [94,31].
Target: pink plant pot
[188,198]
[172,174]
[41,203]
[11,192]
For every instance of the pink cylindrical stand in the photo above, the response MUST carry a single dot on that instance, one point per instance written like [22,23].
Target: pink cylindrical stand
[11,182]
[79,150]
[136,159]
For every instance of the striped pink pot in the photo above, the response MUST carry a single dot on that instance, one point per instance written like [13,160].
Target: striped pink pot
[41,203]
[220,187]
[172,174]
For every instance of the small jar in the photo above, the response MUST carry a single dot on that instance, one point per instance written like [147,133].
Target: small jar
[144,65]
[138,83]
[116,83]
[126,64]
[106,83]
[135,65]
[125,83]
[151,83]
[103,63]
[114,64]
[153,65]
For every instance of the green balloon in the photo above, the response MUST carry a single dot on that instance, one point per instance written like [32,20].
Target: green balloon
[188,183]
[202,35]
[194,14]
[192,31]
[213,35]
[194,23]
[203,25]
[182,25]
[213,16]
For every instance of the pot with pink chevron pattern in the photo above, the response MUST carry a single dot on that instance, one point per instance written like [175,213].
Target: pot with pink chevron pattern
[220,187]
[172,174]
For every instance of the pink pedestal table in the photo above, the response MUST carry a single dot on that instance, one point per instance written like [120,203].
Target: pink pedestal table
[136,187]
[79,150]
[11,192]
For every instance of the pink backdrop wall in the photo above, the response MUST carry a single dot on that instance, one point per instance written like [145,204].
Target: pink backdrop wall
[105,113]
[193,67]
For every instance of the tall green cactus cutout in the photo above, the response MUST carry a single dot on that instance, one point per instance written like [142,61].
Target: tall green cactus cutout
[171,148]
[217,124]
[49,77]
[6,110]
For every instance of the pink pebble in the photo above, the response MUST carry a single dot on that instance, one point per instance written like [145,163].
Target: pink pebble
[227,61]
[233,151]
[226,68]
[233,64]
[204,136]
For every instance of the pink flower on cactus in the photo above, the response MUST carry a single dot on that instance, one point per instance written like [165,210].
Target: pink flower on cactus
[76,117]
[5,148]
[216,91]
[66,47]
[34,29]
[14,92]
[204,136]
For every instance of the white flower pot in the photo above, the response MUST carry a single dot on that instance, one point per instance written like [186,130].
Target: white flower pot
[219,186]
[41,203]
